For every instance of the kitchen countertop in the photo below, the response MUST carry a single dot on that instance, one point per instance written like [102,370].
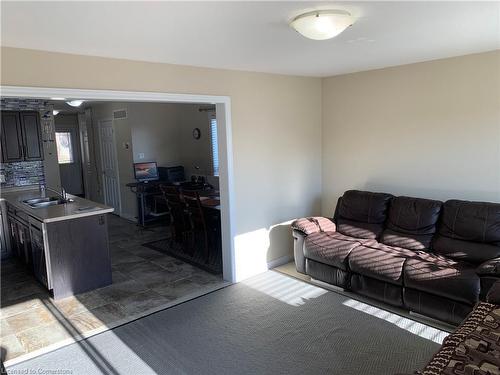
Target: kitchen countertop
[71,210]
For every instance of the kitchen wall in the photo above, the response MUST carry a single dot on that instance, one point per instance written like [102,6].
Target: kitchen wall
[161,132]
[276,133]
[430,130]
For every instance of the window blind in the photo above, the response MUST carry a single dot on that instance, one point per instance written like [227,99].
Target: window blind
[215,146]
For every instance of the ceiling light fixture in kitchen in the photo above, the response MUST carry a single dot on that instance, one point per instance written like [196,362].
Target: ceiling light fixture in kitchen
[75,103]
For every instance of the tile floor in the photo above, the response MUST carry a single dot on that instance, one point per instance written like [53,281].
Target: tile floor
[144,281]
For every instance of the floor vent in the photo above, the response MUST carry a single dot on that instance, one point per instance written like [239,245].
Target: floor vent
[120,114]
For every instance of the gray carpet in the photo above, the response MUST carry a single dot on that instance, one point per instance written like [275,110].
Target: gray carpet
[272,324]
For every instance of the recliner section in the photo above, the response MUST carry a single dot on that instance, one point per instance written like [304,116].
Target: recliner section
[392,249]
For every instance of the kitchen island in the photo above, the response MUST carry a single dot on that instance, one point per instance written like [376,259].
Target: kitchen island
[63,241]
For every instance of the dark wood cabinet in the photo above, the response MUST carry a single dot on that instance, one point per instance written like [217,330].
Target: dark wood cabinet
[32,136]
[38,250]
[12,138]
[21,136]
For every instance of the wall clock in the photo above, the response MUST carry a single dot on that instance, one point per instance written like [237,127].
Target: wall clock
[196,133]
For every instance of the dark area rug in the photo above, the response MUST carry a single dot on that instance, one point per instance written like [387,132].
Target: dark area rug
[271,324]
[197,258]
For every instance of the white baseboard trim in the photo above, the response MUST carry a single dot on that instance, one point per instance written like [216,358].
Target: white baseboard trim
[279,261]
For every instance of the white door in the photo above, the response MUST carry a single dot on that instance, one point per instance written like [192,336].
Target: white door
[109,164]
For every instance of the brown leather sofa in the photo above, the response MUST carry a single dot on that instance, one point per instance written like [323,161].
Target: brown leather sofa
[437,259]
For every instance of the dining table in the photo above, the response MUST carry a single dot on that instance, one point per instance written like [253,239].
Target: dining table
[210,199]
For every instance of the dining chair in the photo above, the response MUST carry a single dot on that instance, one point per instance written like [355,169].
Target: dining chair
[198,222]
[180,227]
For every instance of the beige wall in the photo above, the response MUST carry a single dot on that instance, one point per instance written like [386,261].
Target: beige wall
[430,129]
[276,134]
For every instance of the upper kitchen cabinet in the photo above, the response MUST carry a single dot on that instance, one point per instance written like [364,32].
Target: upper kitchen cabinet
[21,136]
[32,136]
[12,138]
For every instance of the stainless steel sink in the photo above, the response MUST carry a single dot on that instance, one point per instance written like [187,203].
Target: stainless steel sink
[44,202]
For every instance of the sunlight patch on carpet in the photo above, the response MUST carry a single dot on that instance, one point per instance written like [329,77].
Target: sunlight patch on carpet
[419,329]
[284,288]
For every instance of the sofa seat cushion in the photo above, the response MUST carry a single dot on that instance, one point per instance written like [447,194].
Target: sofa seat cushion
[442,276]
[379,261]
[330,248]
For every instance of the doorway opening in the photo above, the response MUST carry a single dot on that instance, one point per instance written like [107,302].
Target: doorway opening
[223,124]
[97,158]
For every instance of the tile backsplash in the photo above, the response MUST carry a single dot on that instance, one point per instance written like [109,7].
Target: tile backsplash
[22,174]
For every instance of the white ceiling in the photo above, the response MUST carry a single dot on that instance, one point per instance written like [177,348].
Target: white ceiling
[254,36]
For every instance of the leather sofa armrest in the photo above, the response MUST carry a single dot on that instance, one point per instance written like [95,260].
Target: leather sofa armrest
[493,295]
[310,225]
[298,250]
[489,268]
[489,272]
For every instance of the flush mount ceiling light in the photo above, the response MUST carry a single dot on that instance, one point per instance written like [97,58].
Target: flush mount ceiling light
[322,24]
[75,103]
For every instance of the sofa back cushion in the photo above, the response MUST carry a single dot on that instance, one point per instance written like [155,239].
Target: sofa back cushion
[469,231]
[411,223]
[362,214]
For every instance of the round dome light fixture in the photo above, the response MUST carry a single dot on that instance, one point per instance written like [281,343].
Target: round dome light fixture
[322,24]
[75,103]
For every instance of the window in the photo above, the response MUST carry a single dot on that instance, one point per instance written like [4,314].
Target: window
[215,145]
[64,148]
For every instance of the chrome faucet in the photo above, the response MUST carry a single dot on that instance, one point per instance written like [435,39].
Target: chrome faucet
[64,196]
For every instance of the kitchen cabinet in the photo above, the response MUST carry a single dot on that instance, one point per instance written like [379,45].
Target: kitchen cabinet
[38,251]
[32,136]
[65,246]
[21,136]
[14,236]
[12,139]
[20,238]
[27,243]
[4,232]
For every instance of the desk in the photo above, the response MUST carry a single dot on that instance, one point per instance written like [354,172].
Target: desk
[145,193]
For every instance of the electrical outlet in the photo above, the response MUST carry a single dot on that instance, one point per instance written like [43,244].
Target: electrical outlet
[141,155]
[2,178]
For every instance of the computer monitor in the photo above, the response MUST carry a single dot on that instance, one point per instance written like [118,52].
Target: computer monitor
[146,171]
